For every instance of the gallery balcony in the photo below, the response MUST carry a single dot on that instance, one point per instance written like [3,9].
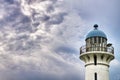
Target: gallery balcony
[85,49]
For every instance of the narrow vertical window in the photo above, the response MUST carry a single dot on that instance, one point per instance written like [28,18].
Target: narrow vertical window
[95,39]
[95,60]
[99,40]
[95,76]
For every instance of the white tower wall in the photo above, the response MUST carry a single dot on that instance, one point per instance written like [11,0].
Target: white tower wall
[101,70]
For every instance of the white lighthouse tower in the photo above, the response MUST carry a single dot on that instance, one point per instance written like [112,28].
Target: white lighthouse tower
[97,55]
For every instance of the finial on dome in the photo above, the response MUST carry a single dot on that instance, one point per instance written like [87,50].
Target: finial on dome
[96,26]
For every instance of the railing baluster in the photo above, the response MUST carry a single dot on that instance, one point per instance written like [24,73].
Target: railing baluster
[84,49]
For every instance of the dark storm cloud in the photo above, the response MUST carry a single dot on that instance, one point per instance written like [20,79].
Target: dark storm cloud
[57,18]
[66,49]
[9,1]
[38,17]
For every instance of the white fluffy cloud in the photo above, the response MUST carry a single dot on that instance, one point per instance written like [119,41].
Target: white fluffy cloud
[37,41]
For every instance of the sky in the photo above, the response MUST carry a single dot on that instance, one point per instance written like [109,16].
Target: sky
[40,39]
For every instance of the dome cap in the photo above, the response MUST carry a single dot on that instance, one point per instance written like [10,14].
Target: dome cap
[96,33]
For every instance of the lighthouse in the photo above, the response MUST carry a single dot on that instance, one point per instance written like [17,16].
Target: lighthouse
[97,54]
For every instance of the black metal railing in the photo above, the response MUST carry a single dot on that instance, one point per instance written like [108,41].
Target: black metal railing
[84,49]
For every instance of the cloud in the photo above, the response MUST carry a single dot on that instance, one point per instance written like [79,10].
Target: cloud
[114,70]
[34,43]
